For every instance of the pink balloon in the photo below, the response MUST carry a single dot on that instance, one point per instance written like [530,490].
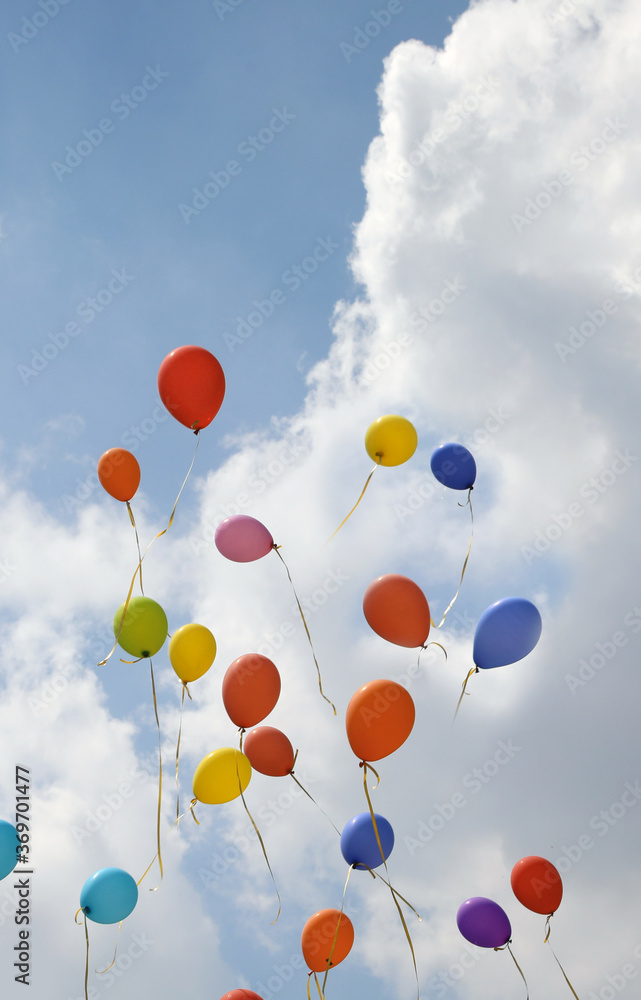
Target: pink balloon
[242,538]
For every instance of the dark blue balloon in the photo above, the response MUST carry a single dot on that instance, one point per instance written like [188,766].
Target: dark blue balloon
[506,632]
[359,843]
[454,466]
[109,895]
[9,847]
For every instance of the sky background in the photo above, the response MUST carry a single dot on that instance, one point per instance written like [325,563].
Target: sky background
[474,173]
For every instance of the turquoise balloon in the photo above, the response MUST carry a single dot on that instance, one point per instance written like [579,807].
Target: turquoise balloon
[9,847]
[108,896]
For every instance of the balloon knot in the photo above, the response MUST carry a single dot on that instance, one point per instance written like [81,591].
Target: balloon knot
[362,763]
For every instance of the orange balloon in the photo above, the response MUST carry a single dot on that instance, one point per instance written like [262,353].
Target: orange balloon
[320,933]
[191,384]
[269,751]
[537,884]
[379,718]
[397,609]
[119,473]
[251,688]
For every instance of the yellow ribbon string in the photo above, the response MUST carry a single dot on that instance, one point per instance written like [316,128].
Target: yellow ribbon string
[547,941]
[131,518]
[379,456]
[87,956]
[309,638]
[502,948]
[321,995]
[338,924]
[388,883]
[139,566]
[423,648]
[158,852]
[474,670]
[180,727]
[292,775]
[101,972]
[469,549]
[261,843]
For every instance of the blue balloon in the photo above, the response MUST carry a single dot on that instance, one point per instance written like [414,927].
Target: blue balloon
[359,845]
[108,896]
[454,466]
[506,632]
[9,848]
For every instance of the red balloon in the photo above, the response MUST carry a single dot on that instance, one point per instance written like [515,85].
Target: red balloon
[537,884]
[241,995]
[191,384]
[251,688]
[269,751]
[397,609]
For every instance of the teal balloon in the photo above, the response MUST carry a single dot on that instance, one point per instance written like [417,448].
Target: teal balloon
[506,632]
[108,896]
[9,848]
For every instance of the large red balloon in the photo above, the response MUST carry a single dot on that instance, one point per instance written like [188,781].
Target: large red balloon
[191,384]
[379,718]
[537,884]
[397,609]
[320,933]
[251,688]
[269,751]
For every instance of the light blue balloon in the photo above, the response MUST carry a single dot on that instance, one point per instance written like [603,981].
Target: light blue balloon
[108,896]
[9,847]
[454,466]
[506,632]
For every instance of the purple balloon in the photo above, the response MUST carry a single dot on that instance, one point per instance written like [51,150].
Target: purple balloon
[242,538]
[482,922]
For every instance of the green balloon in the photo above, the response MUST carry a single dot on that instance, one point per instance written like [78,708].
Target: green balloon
[144,629]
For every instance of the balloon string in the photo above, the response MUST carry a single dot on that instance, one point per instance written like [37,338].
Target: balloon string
[502,948]
[139,566]
[474,670]
[292,775]
[180,728]
[309,638]
[158,853]
[469,549]
[338,924]
[423,648]
[547,941]
[87,956]
[389,884]
[101,972]
[321,995]
[131,518]
[261,843]
[379,456]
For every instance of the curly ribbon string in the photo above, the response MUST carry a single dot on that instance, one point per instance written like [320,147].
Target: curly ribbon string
[292,775]
[338,924]
[101,972]
[502,948]
[261,843]
[379,456]
[547,941]
[158,852]
[469,549]
[423,648]
[474,670]
[365,766]
[139,566]
[131,518]
[81,910]
[309,638]
[309,979]
[180,727]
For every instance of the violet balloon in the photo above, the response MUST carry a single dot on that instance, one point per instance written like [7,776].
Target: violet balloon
[242,538]
[483,922]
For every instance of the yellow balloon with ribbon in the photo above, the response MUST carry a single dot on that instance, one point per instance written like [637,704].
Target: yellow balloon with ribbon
[143,629]
[221,776]
[391,440]
[192,650]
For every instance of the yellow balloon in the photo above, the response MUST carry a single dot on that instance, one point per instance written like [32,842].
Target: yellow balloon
[391,440]
[221,776]
[192,650]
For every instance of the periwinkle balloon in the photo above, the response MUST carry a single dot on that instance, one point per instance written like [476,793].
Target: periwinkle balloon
[359,845]
[506,632]
[454,466]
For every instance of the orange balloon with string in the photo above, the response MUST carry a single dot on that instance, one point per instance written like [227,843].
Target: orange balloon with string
[269,751]
[251,688]
[379,718]
[327,939]
[537,884]
[119,473]
[396,609]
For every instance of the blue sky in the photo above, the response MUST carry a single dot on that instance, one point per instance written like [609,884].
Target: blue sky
[426,212]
